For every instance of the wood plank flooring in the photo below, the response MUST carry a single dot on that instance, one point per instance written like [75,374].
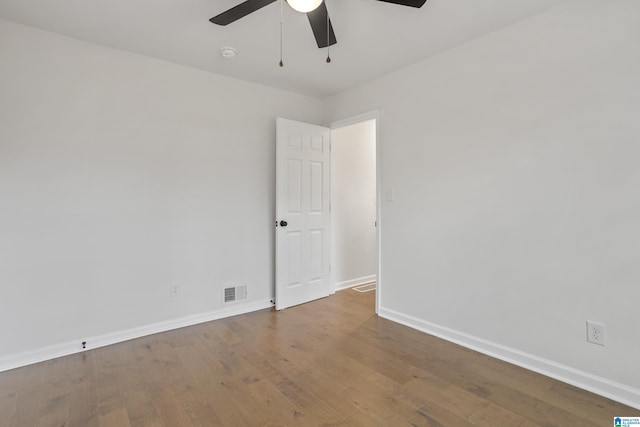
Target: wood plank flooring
[331,362]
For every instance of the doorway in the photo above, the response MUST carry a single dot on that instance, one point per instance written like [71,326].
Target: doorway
[304,235]
[354,202]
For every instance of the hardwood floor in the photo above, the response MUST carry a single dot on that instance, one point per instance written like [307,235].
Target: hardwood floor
[329,362]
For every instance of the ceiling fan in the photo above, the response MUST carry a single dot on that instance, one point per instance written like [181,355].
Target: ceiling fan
[316,11]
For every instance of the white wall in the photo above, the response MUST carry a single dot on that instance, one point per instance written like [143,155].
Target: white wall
[353,203]
[120,174]
[514,160]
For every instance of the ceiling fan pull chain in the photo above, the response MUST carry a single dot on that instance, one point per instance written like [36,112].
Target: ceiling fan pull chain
[328,40]
[281,7]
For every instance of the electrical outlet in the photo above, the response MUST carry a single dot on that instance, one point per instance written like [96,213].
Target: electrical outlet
[595,333]
[175,290]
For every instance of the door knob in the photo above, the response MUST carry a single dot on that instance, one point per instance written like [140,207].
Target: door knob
[283,223]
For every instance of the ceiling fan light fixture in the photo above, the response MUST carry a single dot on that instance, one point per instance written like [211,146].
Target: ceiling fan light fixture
[304,6]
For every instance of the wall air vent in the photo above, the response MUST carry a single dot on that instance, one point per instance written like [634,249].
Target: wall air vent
[235,293]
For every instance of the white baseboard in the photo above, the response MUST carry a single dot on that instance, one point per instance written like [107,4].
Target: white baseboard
[65,349]
[613,390]
[355,282]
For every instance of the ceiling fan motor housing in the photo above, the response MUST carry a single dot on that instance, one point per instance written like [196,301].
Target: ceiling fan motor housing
[304,6]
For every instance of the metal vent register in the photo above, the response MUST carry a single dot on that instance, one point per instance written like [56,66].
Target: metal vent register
[235,293]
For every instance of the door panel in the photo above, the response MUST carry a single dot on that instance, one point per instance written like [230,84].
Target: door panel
[293,252]
[316,244]
[294,187]
[302,201]
[316,179]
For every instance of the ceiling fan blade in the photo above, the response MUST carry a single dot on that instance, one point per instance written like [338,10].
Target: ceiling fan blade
[240,11]
[318,20]
[412,3]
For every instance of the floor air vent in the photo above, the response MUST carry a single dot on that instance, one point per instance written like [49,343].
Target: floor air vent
[366,287]
[235,293]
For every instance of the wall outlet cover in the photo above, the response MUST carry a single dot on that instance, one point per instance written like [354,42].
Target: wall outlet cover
[595,333]
[174,289]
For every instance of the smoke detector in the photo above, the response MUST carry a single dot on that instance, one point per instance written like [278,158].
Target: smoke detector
[228,52]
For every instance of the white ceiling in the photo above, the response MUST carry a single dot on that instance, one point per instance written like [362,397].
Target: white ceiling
[374,38]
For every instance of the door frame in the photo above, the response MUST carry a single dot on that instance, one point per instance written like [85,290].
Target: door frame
[358,118]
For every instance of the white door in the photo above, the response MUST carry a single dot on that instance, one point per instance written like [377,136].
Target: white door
[303,190]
